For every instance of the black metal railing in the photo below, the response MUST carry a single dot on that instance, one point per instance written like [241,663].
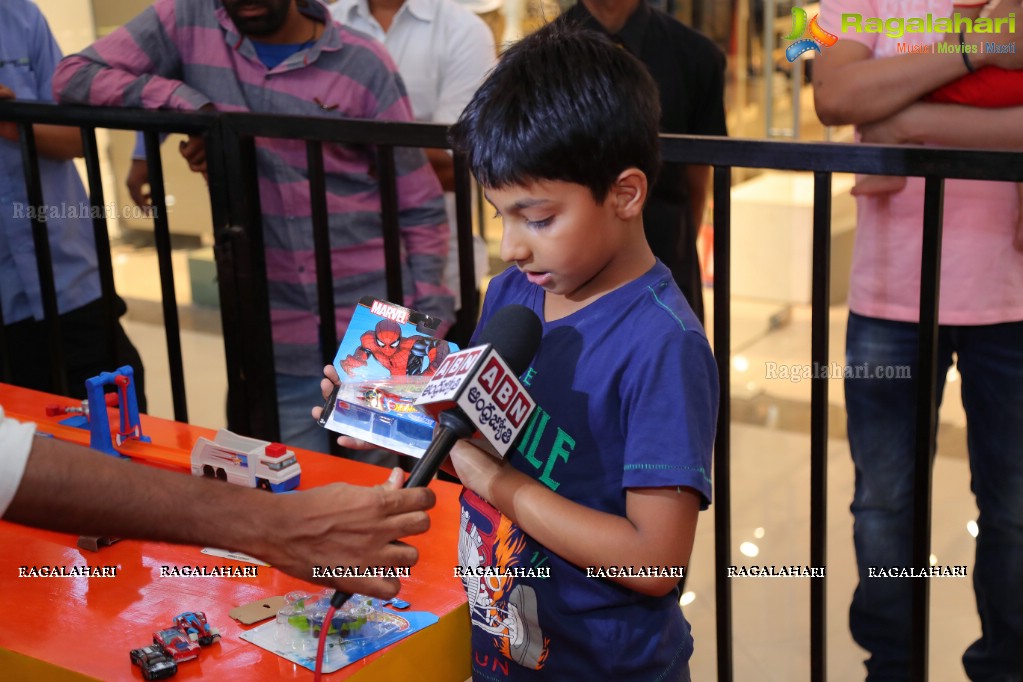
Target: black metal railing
[252,405]
[238,235]
[823,160]
[151,123]
[245,308]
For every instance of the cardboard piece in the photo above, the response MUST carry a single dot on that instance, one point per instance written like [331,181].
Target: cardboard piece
[253,612]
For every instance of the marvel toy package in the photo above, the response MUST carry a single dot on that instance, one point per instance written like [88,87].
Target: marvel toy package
[385,359]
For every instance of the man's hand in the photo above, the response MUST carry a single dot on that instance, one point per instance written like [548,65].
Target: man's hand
[1000,9]
[8,129]
[345,525]
[891,130]
[69,488]
[327,383]
[194,151]
[138,184]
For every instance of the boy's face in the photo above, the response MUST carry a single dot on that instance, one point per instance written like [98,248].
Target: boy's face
[560,237]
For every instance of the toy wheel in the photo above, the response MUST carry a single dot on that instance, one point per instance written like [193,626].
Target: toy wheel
[262,484]
[221,475]
[208,472]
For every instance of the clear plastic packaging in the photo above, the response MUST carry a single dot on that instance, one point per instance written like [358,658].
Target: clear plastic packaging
[301,619]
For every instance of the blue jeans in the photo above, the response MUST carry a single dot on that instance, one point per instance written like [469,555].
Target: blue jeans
[881,426]
[296,397]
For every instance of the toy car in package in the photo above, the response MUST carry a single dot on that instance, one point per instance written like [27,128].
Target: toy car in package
[301,619]
[385,359]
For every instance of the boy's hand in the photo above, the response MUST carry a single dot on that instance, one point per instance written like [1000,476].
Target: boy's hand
[327,383]
[478,470]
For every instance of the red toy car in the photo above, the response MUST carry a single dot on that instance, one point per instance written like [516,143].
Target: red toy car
[155,664]
[194,624]
[176,644]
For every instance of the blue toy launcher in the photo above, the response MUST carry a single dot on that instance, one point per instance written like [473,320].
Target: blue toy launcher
[99,423]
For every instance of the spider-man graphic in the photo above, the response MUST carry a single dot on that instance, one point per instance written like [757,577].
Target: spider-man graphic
[401,356]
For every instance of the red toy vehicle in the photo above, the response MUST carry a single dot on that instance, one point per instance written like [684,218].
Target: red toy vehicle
[194,624]
[155,664]
[176,644]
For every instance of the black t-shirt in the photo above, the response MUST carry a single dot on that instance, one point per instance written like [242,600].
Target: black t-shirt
[689,70]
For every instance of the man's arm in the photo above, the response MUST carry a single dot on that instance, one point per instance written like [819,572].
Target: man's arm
[137,65]
[657,530]
[849,87]
[950,125]
[698,178]
[69,488]
[54,142]
[421,217]
[469,54]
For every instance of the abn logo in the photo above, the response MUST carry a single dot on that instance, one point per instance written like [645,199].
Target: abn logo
[818,36]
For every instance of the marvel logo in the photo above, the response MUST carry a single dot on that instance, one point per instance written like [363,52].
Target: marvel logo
[391,312]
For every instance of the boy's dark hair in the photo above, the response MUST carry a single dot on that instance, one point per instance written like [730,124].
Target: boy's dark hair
[564,103]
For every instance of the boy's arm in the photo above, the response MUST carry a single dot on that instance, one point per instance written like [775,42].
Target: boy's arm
[850,87]
[137,65]
[658,529]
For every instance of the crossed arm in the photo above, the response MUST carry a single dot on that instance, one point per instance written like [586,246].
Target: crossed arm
[881,96]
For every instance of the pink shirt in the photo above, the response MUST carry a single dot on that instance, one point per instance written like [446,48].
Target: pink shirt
[981,273]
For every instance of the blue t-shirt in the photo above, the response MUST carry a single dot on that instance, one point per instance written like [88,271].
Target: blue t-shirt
[627,397]
[272,54]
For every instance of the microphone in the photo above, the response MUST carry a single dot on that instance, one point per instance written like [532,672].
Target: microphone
[477,390]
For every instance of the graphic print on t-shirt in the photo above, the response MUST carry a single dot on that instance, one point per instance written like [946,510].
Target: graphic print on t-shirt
[498,604]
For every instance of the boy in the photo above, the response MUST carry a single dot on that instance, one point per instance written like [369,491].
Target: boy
[613,468]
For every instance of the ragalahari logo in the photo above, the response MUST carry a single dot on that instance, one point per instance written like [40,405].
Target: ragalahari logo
[818,36]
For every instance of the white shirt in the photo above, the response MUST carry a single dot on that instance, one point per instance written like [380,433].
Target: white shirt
[481,6]
[442,50]
[15,446]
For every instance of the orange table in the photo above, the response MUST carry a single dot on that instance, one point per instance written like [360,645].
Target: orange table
[80,628]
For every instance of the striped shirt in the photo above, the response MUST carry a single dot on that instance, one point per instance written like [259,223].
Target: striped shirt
[185,54]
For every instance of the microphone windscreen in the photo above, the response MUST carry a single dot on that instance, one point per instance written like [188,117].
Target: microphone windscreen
[515,333]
